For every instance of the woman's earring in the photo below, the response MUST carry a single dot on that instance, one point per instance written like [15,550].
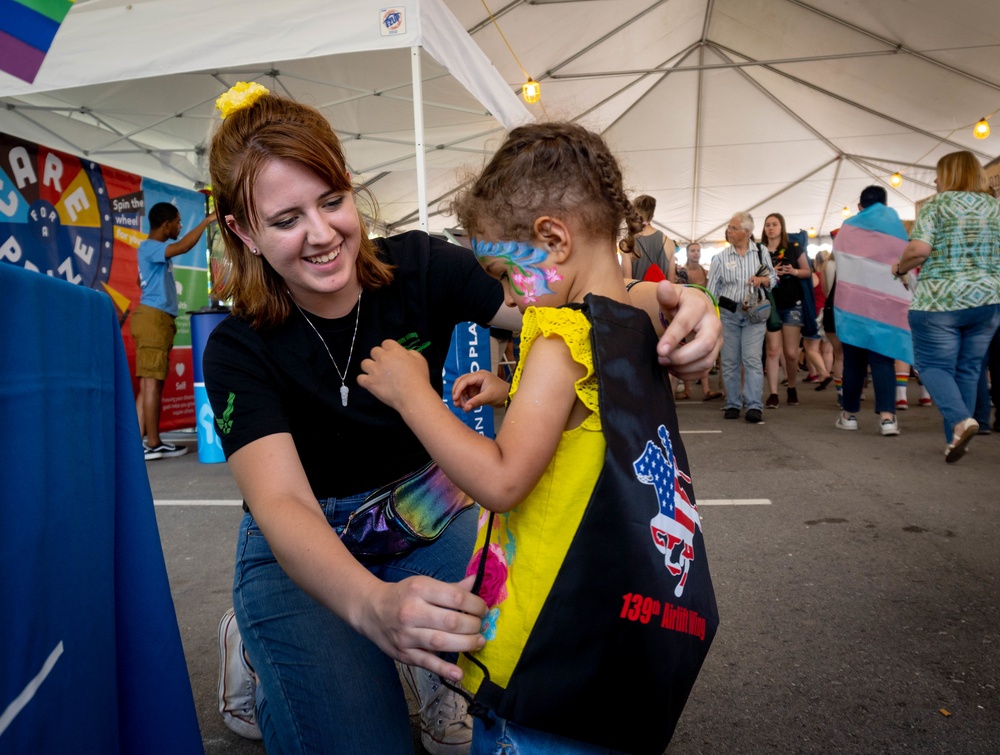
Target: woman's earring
[255,251]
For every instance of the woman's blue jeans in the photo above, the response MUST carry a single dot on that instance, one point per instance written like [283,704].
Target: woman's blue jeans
[742,345]
[948,351]
[322,686]
[506,738]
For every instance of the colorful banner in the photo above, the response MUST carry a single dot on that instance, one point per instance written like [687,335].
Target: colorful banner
[27,28]
[75,219]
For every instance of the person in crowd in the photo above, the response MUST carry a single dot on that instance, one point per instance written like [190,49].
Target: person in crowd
[903,372]
[153,321]
[692,270]
[955,310]
[551,241]
[870,338]
[791,264]
[733,271]
[829,279]
[821,344]
[988,395]
[653,257]
[308,662]
[692,273]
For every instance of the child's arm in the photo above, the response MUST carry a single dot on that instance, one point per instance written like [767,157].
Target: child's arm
[498,474]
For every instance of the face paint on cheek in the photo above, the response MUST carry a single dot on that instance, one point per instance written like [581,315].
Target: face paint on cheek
[528,278]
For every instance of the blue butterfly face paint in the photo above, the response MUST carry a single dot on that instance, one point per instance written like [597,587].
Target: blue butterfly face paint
[529,279]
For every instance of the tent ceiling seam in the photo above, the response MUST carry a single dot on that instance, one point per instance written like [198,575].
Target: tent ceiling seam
[722,66]
[583,51]
[709,7]
[767,93]
[858,105]
[696,168]
[899,46]
[782,190]
[664,75]
[829,195]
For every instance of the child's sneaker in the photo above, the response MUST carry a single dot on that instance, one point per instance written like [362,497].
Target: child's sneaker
[445,724]
[237,681]
[901,405]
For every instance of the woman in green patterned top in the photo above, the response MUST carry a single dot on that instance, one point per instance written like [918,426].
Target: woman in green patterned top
[955,311]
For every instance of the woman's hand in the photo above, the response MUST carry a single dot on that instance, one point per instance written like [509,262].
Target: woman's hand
[693,317]
[761,281]
[481,388]
[414,619]
[393,374]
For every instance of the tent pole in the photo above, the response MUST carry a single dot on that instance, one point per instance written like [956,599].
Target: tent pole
[418,135]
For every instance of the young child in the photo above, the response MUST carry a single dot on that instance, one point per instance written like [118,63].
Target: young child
[545,216]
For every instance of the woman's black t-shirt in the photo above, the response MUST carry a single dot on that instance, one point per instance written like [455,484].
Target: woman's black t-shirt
[788,292]
[281,380]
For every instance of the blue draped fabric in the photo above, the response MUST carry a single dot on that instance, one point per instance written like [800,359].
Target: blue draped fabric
[90,653]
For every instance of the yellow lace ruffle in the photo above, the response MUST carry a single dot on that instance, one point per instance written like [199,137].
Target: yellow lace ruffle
[573,327]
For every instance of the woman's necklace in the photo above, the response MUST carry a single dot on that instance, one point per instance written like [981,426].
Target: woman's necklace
[344,390]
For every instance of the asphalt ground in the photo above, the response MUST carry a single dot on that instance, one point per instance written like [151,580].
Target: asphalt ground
[856,577]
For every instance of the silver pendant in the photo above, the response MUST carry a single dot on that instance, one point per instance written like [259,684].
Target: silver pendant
[343,394]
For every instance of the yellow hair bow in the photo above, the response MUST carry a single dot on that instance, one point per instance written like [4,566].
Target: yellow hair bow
[241,95]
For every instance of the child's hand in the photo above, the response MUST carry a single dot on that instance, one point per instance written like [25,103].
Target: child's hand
[693,317]
[394,374]
[482,388]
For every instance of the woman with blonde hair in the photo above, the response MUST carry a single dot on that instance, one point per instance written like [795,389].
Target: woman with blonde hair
[955,311]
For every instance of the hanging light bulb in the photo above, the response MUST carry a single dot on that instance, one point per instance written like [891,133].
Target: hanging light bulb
[982,129]
[896,180]
[812,232]
[531,90]
[846,212]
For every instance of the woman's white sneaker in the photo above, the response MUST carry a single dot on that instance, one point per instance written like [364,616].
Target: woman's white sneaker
[237,681]
[445,724]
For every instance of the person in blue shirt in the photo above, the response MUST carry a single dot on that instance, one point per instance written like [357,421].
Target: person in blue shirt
[153,326]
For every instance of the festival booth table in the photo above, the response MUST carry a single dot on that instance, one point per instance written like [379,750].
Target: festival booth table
[90,653]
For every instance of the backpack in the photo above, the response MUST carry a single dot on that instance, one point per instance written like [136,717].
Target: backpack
[631,615]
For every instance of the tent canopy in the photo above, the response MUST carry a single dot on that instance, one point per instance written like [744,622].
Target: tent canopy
[713,106]
[133,85]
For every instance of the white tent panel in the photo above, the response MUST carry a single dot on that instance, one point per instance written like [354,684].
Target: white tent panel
[850,92]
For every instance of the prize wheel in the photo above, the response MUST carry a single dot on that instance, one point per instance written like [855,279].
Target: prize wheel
[61,222]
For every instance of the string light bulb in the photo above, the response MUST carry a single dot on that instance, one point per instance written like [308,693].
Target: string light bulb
[531,90]
[846,212]
[981,129]
[812,232]
[896,180]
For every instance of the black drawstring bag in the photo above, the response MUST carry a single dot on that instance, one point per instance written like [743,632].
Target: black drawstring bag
[628,622]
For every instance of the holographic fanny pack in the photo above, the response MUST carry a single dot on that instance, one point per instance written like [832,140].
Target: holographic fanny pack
[404,515]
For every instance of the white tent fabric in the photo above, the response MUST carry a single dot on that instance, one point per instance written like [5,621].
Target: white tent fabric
[787,106]
[133,84]
[713,106]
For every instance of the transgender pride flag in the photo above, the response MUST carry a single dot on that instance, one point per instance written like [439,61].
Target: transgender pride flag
[870,306]
[27,28]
